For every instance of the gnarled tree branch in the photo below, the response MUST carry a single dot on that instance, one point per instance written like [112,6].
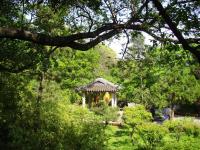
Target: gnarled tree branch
[175,30]
[97,36]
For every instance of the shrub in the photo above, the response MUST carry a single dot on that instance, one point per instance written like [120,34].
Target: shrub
[62,126]
[136,115]
[184,143]
[148,135]
[106,112]
[183,127]
[183,134]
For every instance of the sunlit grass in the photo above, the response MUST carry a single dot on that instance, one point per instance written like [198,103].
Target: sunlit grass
[118,138]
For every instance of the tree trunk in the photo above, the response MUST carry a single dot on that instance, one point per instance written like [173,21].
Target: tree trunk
[172,106]
[171,117]
[38,101]
[141,82]
[40,89]
[172,114]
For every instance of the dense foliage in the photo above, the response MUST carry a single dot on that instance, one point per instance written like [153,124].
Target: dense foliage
[136,115]
[61,127]
[158,77]
[35,110]
[148,135]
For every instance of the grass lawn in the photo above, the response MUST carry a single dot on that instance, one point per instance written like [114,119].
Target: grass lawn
[118,138]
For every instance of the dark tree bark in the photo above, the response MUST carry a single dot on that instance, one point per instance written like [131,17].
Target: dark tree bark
[38,100]
[97,36]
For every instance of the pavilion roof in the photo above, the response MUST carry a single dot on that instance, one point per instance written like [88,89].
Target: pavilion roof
[99,85]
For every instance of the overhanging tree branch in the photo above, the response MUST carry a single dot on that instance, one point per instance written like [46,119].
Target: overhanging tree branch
[175,30]
[144,18]
[97,36]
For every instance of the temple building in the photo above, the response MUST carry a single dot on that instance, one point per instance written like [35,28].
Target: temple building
[100,90]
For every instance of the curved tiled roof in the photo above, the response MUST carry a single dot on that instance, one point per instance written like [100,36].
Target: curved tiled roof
[99,85]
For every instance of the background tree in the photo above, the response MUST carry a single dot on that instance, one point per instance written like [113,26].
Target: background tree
[163,77]
[177,83]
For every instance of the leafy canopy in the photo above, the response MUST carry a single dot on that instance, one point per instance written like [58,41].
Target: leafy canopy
[83,24]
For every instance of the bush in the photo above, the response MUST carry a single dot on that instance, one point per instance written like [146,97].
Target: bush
[183,134]
[62,126]
[106,112]
[184,143]
[136,115]
[148,135]
[183,127]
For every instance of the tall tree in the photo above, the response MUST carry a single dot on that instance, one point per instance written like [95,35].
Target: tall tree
[165,77]
[177,83]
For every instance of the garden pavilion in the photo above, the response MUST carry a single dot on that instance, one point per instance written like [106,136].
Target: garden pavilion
[100,90]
